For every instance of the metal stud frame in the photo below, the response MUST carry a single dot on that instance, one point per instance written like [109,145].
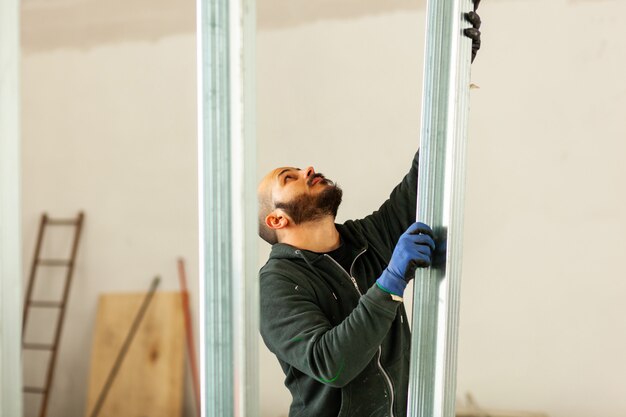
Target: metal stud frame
[10,240]
[445,108]
[227,172]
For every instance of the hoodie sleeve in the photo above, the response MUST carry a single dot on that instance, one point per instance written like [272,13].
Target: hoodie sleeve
[297,331]
[396,214]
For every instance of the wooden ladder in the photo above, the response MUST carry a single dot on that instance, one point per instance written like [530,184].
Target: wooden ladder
[61,305]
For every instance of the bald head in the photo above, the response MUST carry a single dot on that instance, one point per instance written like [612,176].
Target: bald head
[289,197]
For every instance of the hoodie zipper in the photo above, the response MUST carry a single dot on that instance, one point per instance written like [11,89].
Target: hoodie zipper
[380,350]
[380,366]
[356,286]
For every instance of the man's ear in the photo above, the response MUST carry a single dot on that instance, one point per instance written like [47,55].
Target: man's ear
[277,219]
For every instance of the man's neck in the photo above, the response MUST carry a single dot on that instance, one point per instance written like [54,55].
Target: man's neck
[316,236]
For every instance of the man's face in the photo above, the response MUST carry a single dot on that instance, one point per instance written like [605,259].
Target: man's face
[305,195]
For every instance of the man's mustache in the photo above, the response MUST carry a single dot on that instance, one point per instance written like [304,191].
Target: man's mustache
[319,175]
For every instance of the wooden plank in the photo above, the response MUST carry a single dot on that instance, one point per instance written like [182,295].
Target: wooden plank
[150,379]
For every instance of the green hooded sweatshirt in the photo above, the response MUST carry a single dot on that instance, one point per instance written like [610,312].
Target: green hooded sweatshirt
[342,342]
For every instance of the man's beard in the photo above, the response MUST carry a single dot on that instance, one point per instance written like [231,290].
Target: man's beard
[307,207]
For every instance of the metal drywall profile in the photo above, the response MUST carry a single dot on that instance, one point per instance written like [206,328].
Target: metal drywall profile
[227,190]
[445,107]
[10,239]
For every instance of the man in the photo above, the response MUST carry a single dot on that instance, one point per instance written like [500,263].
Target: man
[331,294]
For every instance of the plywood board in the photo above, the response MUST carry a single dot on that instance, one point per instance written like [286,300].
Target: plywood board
[150,380]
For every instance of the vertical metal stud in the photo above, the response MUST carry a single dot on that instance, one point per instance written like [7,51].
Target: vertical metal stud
[229,292]
[10,239]
[445,107]
[245,247]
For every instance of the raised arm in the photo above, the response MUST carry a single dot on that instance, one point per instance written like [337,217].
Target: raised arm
[386,225]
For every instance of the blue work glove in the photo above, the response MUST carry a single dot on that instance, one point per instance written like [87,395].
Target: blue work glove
[413,250]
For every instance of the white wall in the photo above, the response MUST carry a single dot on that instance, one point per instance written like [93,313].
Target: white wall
[111,130]
[541,325]
[546,211]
